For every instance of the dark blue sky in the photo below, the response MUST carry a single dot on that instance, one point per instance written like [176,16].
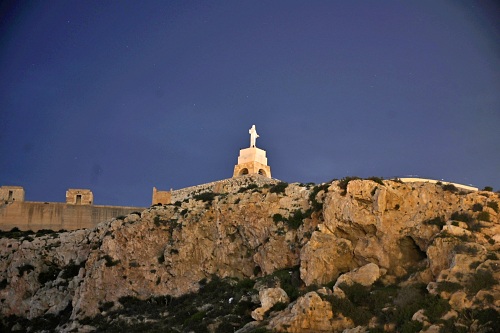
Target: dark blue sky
[121,96]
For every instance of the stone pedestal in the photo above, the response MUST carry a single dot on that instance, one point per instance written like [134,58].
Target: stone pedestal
[252,161]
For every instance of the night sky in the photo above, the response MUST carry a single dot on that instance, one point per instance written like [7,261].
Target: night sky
[121,96]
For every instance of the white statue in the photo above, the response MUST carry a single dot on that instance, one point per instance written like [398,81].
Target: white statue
[253,136]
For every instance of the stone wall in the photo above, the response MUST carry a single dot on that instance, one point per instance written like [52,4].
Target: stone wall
[79,214]
[220,186]
[56,216]
[433,181]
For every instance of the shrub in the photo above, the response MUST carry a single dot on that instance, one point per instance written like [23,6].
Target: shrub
[448,286]
[15,233]
[477,207]
[357,293]
[482,279]
[315,204]
[49,275]
[411,326]
[296,219]
[435,307]
[450,188]
[106,306]
[278,217]
[205,196]
[109,261]
[161,258]
[358,314]
[289,280]
[493,205]
[71,270]
[464,217]
[474,265]
[279,188]
[378,180]
[344,182]
[157,220]
[491,256]
[25,268]
[483,216]
[249,187]
[489,317]
[195,318]
[488,188]
[43,232]
[466,249]
[437,221]
[278,307]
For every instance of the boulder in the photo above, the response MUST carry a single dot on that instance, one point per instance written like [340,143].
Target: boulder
[309,314]
[324,258]
[268,298]
[365,275]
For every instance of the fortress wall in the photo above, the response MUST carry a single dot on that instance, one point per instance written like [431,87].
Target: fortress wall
[433,181]
[221,186]
[56,216]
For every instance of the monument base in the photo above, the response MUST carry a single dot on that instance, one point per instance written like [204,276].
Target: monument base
[252,161]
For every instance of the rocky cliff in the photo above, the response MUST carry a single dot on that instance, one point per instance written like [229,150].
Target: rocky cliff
[351,255]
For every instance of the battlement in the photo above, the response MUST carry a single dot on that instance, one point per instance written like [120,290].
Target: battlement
[11,194]
[76,213]
[79,197]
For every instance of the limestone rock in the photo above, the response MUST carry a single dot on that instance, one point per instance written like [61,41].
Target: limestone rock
[324,257]
[268,298]
[365,275]
[389,231]
[309,314]
[419,316]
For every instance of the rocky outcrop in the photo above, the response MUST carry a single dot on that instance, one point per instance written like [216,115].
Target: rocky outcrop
[343,234]
[365,276]
[268,298]
[310,314]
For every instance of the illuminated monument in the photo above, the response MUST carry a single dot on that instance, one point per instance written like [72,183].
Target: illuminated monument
[252,161]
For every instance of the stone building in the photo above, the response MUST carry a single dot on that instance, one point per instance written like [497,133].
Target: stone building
[11,194]
[79,196]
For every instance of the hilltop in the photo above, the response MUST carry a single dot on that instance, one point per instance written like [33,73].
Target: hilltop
[350,255]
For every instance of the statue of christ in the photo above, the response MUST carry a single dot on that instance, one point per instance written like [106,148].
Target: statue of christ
[253,136]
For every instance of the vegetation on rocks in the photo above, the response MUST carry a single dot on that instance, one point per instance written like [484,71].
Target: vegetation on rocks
[380,254]
[224,304]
